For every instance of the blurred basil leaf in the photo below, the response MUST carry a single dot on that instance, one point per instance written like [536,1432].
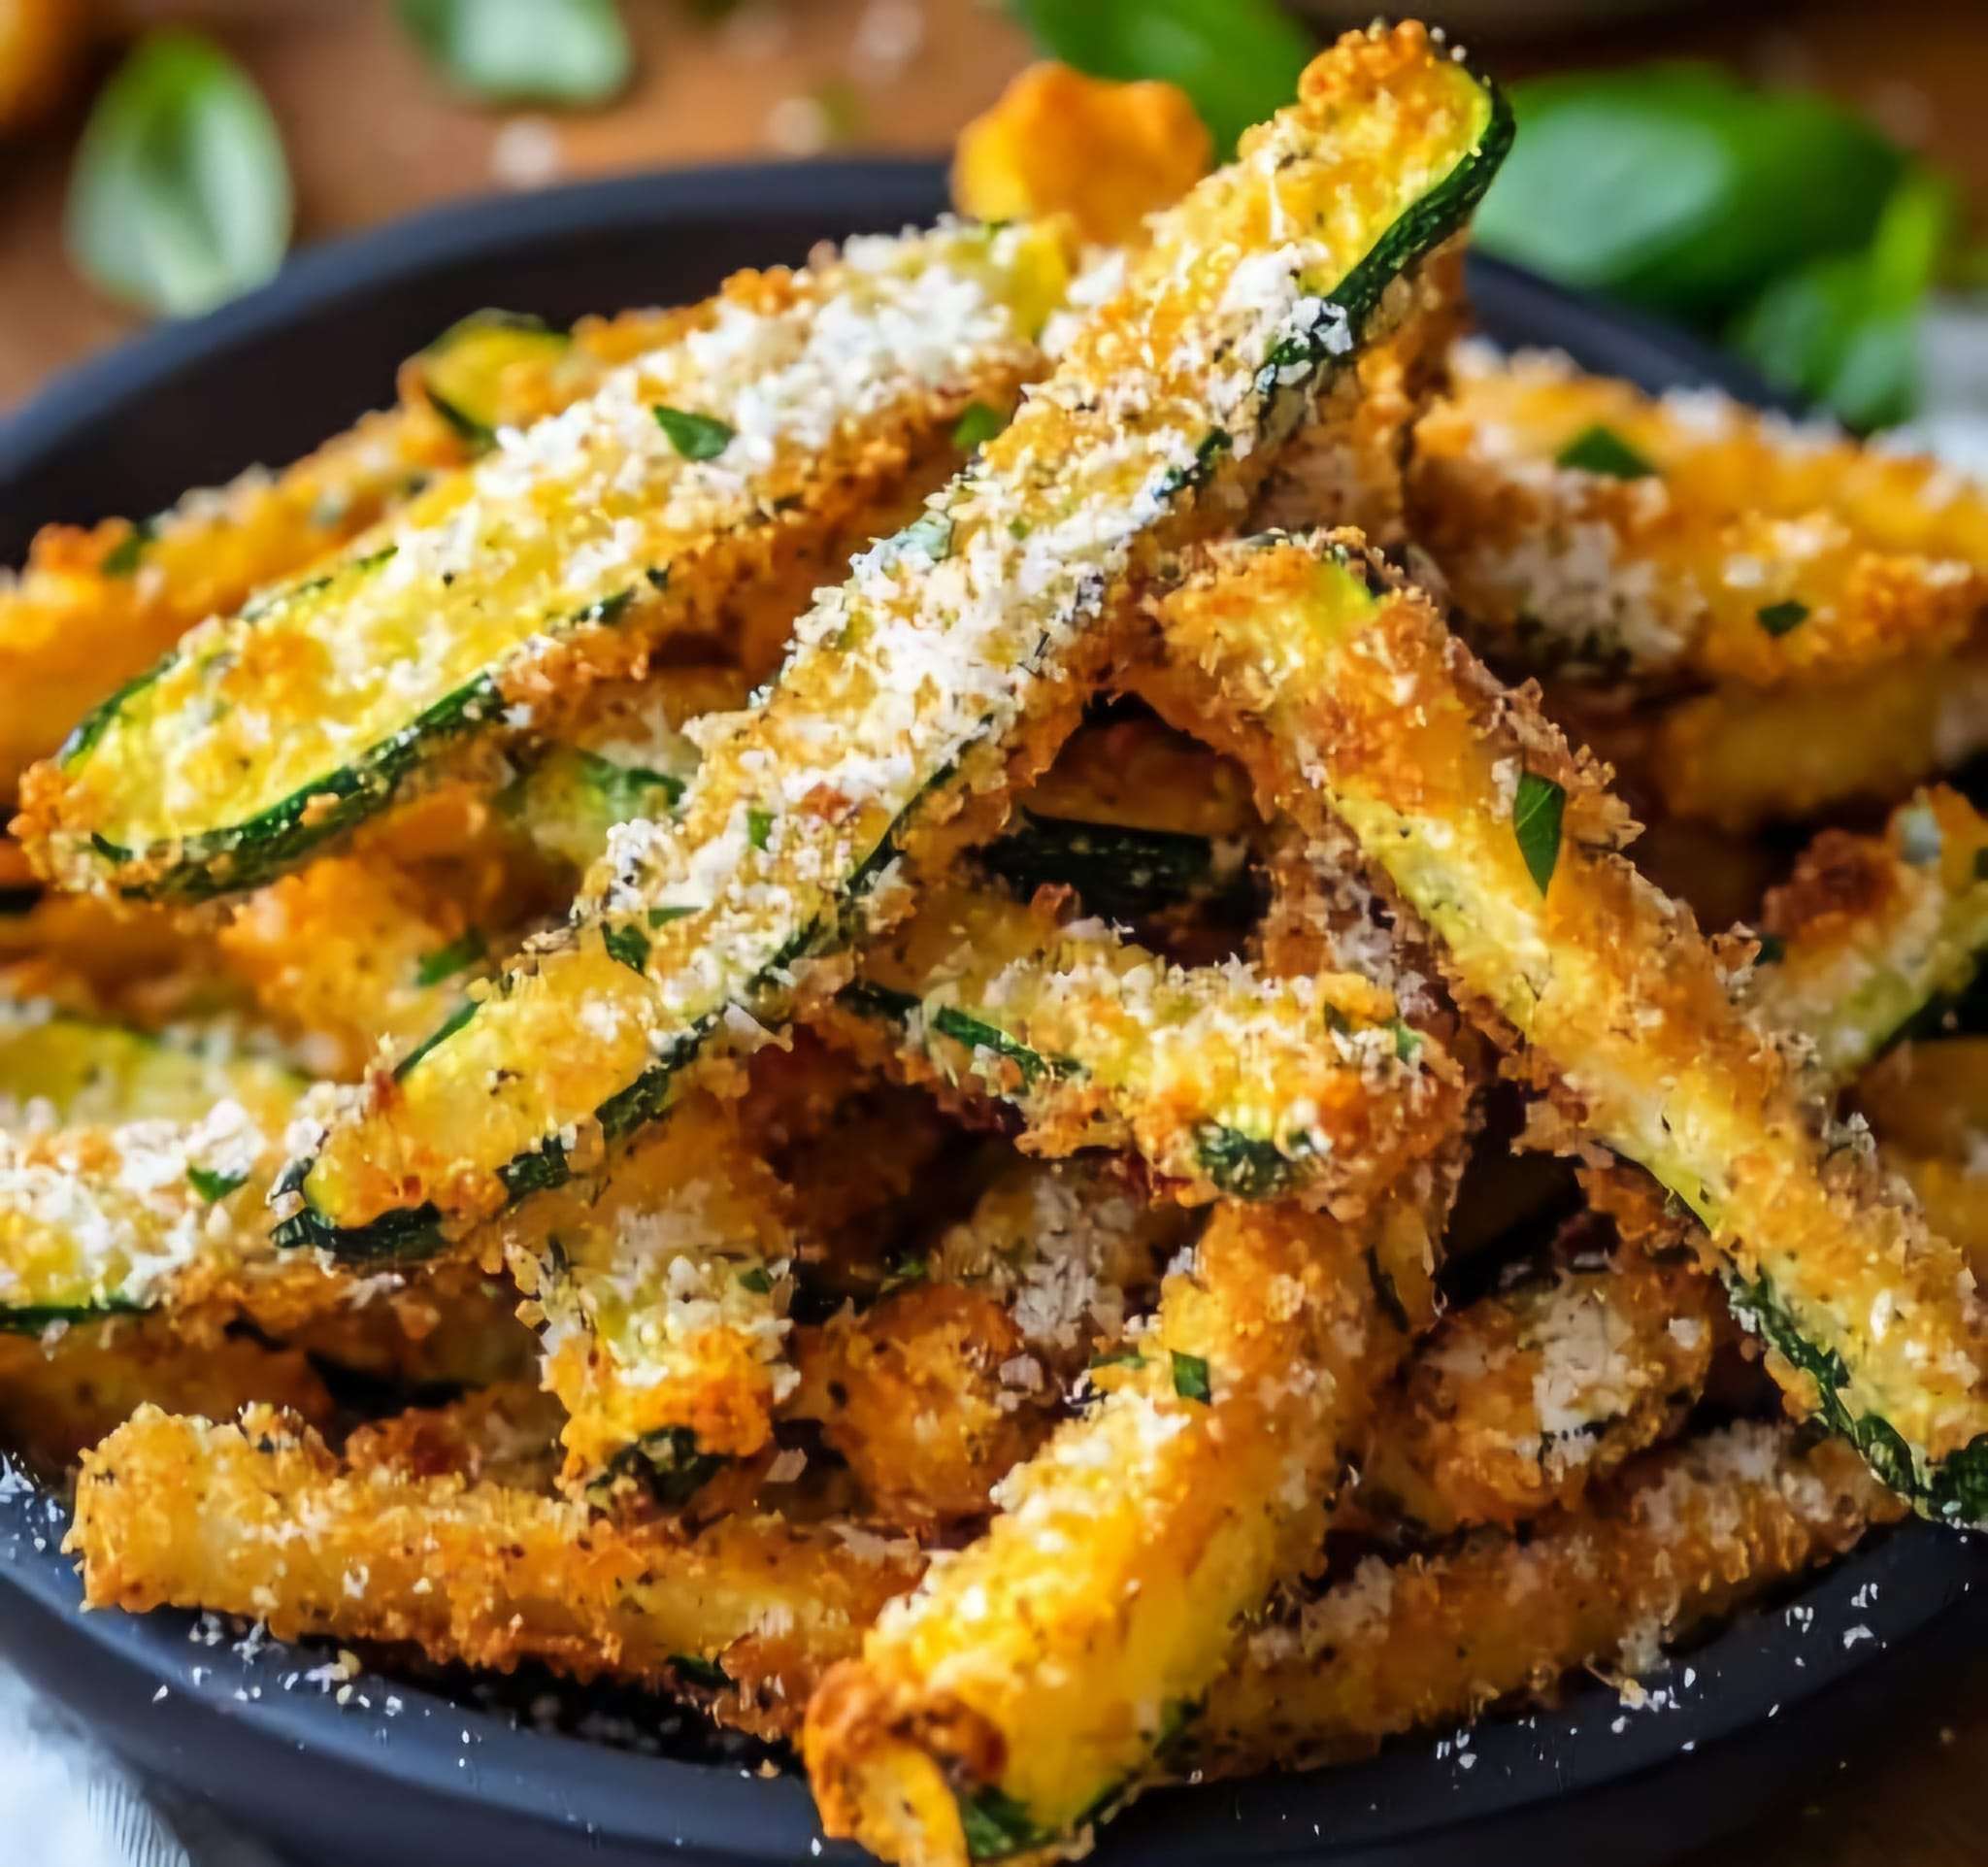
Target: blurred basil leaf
[1843,330]
[1237,60]
[179,197]
[524,51]
[1679,189]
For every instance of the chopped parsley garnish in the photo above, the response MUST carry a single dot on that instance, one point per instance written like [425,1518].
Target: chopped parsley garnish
[1119,1359]
[1190,1377]
[995,1825]
[693,1671]
[696,437]
[445,963]
[1536,816]
[1601,449]
[978,425]
[758,826]
[1407,1041]
[662,917]
[756,1279]
[373,560]
[210,1185]
[628,791]
[123,558]
[1777,619]
[628,945]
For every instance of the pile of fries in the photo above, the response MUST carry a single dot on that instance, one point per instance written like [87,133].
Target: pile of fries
[1067,1152]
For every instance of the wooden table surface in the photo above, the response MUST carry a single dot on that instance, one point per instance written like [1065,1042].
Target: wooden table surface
[370,136]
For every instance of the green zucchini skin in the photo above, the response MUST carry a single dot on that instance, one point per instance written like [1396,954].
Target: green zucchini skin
[35,1319]
[1321,337]
[1121,873]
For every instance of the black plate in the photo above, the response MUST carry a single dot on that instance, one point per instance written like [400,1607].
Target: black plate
[435,1784]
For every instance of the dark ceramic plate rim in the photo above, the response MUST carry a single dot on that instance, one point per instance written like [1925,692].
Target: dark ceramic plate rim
[1894,1589]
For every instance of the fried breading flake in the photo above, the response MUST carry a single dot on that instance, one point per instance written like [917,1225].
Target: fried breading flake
[1058,142]
[1339,686]
[1675,1538]
[261,1519]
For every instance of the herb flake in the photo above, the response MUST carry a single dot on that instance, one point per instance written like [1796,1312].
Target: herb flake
[1190,1377]
[1600,449]
[1536,822]
[696,437]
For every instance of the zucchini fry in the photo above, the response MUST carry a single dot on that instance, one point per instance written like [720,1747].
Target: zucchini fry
[1678,1538]
[1341,690]
[1581,524]
[261,1520]
[94,1222]
[1738,759]
[919,693]
[566,555]
[1520,1402]
[1025,1687]
[60,1069]
[659,1289]
[1869,931]
[1225,1081]
[505,1434]
[96,607]
[60,1396]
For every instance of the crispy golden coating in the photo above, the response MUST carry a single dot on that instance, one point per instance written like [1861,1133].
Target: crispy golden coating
[261,1519]
[61,1395]
[916,1393]
[505,1434]
[1740,759]
[1058,142]
[93,607]
[1579,520]
[1036,1672]
[1869,930]
[1518,1403]
[1222,1080]
[1343,692]
[1680,1537]
[659,1290]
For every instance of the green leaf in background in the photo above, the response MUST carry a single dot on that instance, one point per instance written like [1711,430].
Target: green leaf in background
[1238,60]
[1844,330]
[524,51]
[1679,189]
[180,196]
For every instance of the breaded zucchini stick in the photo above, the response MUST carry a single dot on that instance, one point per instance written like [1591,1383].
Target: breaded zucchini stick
[60,1068]
[566,555]
[1738,759]
[98,1220]
[1520,1402]
[1226,1080]
[660,1288]
[1024,1689]
[1871,930]
[505,1434]
[1581,524]
[1675,1540]
[1342,690]
[261,1520]
[919,693]
[59,1396]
